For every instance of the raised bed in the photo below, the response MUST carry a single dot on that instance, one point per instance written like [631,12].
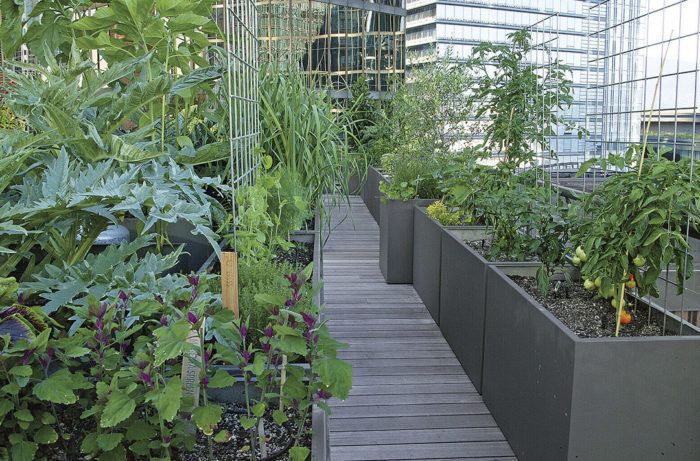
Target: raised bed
[320,440]
[370,192]
[560,397]
[396,239]
[427,247]
[463,292]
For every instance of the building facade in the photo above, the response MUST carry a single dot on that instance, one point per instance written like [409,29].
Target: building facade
[335,41]
[572,30]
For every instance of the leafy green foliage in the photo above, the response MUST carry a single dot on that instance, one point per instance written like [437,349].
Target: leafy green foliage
[63,206]
[302,131]
[264,276]
[507,92]
[267,212]
[293,333]
[636,222]
[439,212]
[421,145]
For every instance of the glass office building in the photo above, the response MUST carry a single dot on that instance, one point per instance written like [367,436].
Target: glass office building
[564,26]
[335,41]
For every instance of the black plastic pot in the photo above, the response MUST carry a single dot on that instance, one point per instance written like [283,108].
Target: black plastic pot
[196,247]
[560,397]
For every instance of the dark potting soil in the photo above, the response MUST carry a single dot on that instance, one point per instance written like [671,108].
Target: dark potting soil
[310,223]
[588,316]
[278,438]
[483,247]
[298,256]
[74,429]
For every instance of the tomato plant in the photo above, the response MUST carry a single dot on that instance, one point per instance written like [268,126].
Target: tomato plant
[635,224]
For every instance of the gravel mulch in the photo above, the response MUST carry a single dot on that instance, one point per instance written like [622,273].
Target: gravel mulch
[588,316]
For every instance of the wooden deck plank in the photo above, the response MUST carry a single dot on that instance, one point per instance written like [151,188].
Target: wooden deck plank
[421,451]
[411,398]
[410,436]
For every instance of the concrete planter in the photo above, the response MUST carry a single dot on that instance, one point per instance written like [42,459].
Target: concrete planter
[370,192]
[462,311]
[560,397]
[427,244]
[396,239]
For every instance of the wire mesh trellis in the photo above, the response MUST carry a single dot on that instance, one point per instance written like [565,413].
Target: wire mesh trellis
[241,46]
[641,70]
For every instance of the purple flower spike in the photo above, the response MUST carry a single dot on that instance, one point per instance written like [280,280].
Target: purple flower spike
[123,296]
[20,298]
[295,403]
[309,319]
[164,321]
[269,332]
[244,331]
[296,280]
[207,357]
[204,382]
[159,299]
[27,356]
[266,348]
[193,279]
[192,318]
[146,378]
[246,357]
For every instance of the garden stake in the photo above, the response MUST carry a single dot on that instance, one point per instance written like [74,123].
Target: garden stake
[229,281]
[651,111]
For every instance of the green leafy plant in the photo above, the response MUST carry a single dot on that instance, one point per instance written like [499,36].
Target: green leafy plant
[63,205]
[551,220]
[508,91]
[440,213]
[288,336]
[302,131]
[635,224]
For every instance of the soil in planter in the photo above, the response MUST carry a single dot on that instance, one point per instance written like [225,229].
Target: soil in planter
[74,428]
[483,247]
[588,316]
[236,448]
[310,223]
[298,256]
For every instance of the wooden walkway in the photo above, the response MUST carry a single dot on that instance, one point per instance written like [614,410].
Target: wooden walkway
[410,397]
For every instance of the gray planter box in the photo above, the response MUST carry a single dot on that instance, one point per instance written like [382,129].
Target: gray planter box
[462,310]
[462,298]
[370,192]
[557,396]
[396,239]
[427,244]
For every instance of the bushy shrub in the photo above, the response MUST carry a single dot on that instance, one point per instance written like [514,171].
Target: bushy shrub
[439,212]
[264,276]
